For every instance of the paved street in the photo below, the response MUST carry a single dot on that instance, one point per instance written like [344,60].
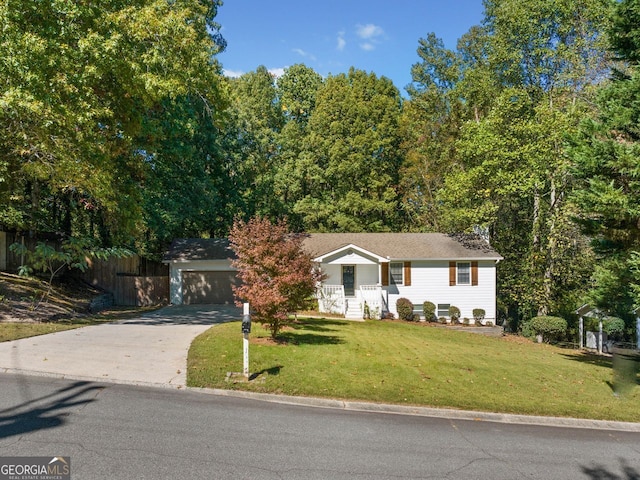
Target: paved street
[125,432]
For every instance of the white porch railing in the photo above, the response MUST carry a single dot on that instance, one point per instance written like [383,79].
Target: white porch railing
[371,299]
[331,299]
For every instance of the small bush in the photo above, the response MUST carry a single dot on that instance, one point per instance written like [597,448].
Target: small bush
[416,317]
[429,310]
[550,328]
[488,324]
[454,313]
[466,321]
[614,327]
[405,309]
[478,315]
[442,319]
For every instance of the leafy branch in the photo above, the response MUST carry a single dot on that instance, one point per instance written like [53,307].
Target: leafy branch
[73,253]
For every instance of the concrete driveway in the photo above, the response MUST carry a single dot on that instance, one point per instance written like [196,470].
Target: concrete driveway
[148,350]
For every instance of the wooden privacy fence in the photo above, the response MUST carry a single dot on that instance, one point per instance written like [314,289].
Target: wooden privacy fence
[133,281]
[140,291]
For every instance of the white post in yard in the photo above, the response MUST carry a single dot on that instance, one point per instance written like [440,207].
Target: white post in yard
[246,329]
[581,332]
[600,334]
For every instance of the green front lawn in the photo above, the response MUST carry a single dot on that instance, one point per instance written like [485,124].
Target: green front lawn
[14,331]
[414,364]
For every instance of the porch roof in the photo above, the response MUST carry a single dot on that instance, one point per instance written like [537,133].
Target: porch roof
[404,246]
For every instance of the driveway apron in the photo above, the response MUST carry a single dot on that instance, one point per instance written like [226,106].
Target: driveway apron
[148,350]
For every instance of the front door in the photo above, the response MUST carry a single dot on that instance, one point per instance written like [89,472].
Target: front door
[349,280]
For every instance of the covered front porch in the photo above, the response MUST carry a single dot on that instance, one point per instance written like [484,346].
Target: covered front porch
[354,291]
[354,285]
[368,301]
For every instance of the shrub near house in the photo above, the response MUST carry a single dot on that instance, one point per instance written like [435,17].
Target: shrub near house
[405,309]
[546,328]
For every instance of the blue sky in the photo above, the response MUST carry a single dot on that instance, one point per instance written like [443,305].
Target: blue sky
[332,35]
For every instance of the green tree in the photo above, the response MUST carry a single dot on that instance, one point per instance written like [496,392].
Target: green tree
[429,127]
[297,91]
[186,146]
[76,83]
[514,171]
[607,169]
[351,156]
[253,122]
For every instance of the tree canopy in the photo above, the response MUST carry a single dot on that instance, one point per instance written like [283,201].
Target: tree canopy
[78,81]
[117,125]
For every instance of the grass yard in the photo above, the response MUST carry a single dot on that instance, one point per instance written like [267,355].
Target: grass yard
[414,364]
[14,331]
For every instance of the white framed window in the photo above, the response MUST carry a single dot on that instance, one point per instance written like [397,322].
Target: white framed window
[396,272]
[443,309]
[464,273]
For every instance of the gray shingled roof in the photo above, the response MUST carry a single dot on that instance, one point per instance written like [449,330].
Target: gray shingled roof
[405,246]
[400,246]
[188,249]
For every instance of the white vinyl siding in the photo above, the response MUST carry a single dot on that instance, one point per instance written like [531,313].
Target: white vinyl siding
[176,270]
[430,282]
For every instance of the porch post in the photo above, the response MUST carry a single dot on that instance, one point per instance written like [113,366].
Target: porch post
[600,334]
[581,330]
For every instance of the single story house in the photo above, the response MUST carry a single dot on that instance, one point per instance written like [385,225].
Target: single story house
[366,272]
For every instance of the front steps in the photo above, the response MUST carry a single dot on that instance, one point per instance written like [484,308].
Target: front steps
[354,309]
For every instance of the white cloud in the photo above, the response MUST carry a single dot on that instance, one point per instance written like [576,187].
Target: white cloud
[369,31]
[371,34]
[341,42]
[232,73]
[277,72]
[304,54]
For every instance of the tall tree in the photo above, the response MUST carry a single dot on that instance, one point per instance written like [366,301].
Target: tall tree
[76,83]
[351,156]
[514,169]
[189,189]
[448,88]
[297,90]
[253,123]
[429,125]
[607,167]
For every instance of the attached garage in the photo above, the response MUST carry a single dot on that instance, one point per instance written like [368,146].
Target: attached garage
[200,271]
[208,287]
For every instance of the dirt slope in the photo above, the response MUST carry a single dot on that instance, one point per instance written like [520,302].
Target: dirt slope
[23,299]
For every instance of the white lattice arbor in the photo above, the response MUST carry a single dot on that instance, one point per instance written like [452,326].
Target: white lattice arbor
[589,311]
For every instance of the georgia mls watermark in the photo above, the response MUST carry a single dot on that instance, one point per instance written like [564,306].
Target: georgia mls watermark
[35,468]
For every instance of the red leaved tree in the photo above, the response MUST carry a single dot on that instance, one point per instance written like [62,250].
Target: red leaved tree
[277,275]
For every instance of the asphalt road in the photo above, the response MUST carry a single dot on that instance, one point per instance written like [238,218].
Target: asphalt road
[128,432]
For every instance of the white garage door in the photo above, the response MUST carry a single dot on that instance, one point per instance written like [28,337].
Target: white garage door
[208,287]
